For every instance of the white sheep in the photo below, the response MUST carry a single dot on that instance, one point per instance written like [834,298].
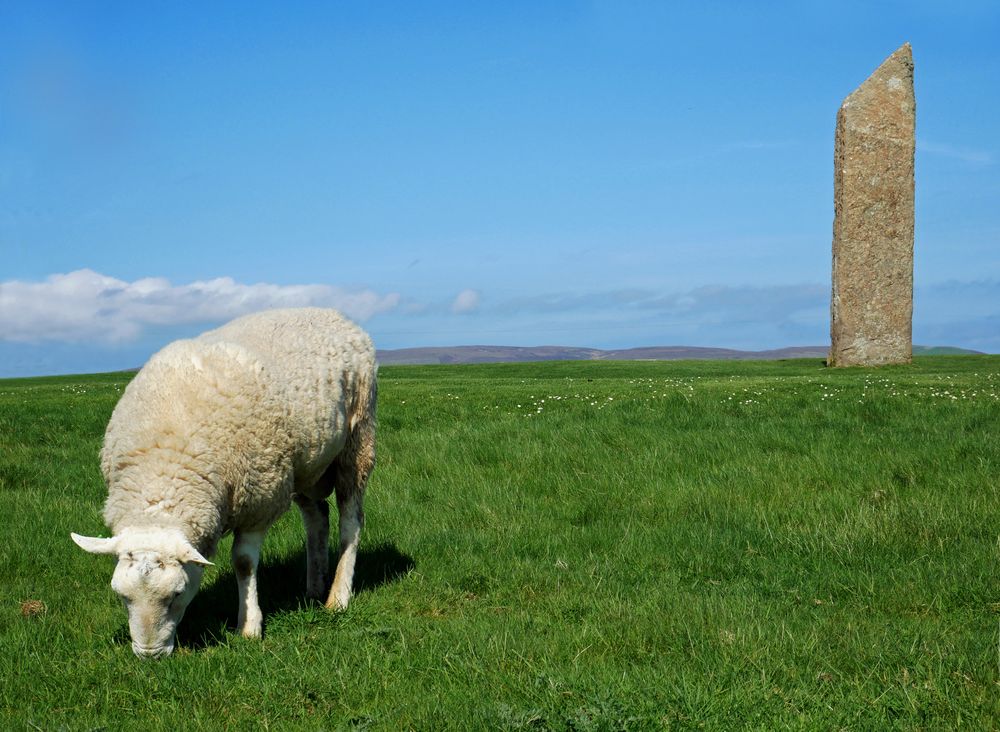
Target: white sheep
[220,433]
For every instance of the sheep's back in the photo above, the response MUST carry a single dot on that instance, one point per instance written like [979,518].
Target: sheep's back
[322,363]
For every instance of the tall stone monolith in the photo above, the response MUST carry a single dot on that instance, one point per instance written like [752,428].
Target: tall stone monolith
[871,310]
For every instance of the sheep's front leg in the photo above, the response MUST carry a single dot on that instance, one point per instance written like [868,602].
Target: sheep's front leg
[316,517]
[246,555]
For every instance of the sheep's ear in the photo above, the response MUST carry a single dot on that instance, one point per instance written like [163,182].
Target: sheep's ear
[96,545]
[192,555]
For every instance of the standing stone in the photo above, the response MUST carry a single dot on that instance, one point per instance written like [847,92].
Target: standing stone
[871,311]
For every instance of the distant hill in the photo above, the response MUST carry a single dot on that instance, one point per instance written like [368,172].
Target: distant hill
[515,354]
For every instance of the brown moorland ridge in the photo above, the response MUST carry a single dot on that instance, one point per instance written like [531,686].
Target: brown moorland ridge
[515,354]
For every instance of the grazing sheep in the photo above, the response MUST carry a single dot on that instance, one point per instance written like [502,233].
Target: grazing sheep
[221,433]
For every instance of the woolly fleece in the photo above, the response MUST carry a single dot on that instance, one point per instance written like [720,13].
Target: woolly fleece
[216,433]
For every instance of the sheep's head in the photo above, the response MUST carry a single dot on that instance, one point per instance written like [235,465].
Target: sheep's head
[158,574]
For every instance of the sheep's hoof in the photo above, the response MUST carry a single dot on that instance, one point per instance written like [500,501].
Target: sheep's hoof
[338,601]
[251,630]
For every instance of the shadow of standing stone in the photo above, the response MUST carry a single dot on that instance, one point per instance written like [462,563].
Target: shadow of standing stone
[871,310]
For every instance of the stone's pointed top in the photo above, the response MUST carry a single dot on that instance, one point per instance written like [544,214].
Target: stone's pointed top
[894,75]
[901,56]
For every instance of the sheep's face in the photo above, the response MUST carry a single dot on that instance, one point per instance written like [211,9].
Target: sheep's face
[158,574]
[156,590]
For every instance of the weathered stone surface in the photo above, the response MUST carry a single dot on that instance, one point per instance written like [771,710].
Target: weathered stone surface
[871,311]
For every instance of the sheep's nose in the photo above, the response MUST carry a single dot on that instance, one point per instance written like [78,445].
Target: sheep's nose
[144,652]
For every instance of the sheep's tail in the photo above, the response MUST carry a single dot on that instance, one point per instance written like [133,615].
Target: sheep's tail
[357,460]
[365,398]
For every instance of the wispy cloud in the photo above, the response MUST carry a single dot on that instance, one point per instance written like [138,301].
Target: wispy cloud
[85,305]
[745,303]
[717,315]
[465,302]
[717,302]
[563,302]
[965,154]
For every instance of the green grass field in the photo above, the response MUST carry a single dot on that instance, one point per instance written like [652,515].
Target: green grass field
[572,546]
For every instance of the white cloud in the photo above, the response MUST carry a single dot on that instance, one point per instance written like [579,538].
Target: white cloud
[86,305]
[466,302]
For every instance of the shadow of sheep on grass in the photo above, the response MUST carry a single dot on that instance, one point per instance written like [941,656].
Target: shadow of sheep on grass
[283,589]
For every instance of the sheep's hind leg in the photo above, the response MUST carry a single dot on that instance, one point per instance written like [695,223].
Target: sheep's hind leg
[352,469]
[352,518]
[316,517]
[245,557]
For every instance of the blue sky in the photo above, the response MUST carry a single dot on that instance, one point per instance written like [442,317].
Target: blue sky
[605,174]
